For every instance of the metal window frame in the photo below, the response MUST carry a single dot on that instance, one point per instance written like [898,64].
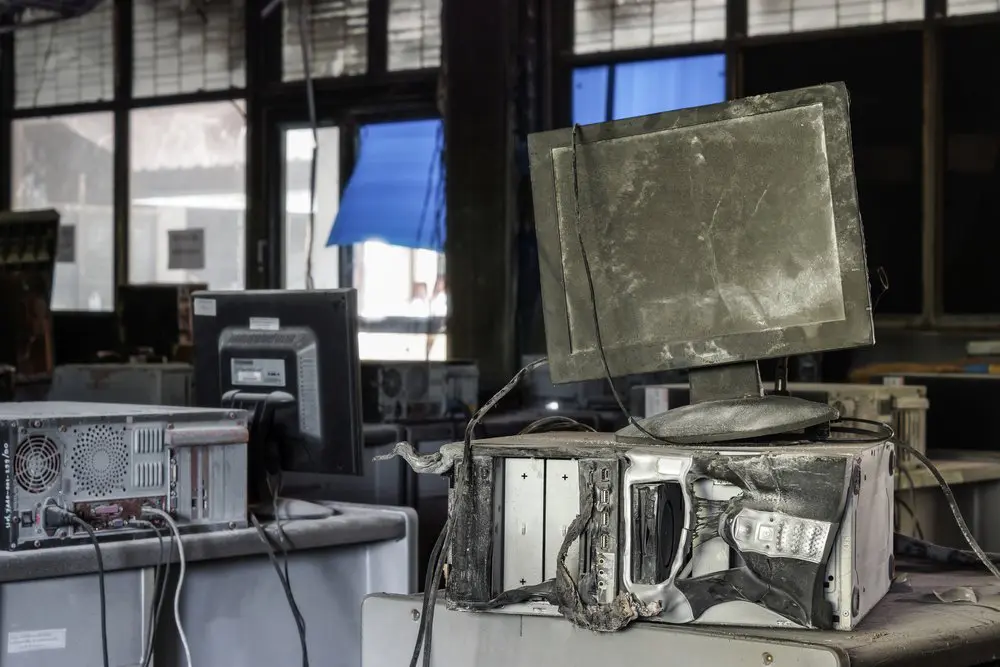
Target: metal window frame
[267,98]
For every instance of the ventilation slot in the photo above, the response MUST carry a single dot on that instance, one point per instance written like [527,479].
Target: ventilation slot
[147,440]
[147,475]
[100,460]
[37,464]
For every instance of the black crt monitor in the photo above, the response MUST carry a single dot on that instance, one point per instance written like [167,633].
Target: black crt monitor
[290,354]
[28,249]
[715,236]
[157,317]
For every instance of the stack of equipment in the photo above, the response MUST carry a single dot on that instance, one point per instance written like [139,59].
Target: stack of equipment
[703,239]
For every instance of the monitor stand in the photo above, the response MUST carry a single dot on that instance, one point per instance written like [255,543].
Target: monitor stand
[728,404]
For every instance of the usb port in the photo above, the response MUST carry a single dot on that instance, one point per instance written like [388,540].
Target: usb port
[604,496]
[605,474]
[605,519]
[605,542]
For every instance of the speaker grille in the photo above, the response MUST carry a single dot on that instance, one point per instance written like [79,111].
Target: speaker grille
[37,464]
[100,460]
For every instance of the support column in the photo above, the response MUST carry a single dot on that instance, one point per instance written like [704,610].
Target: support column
[478,60]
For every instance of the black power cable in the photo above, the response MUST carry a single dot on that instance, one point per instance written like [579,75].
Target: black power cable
[56,516]
[159,584]
[300,622]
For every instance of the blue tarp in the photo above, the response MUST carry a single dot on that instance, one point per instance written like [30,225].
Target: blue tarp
[648,86]
[396,192]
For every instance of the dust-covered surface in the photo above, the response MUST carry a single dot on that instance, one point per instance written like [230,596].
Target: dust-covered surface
[811,483]
[686,221]
[714,235]
[909,627]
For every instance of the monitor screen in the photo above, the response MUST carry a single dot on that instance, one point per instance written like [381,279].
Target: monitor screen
[714,235]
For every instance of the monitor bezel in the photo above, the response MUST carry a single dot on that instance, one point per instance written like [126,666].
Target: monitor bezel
[855,330]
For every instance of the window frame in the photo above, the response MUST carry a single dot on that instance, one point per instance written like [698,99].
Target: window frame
[350,119]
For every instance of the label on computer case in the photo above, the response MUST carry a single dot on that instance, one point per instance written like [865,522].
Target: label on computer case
[204,307]
[258,372]
[265,323]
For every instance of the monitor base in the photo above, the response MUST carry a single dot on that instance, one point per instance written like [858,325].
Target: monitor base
[731,420]
[728,405]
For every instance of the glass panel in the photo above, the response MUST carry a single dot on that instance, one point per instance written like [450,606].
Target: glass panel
[402,288]
[766,17]
[188,194]
[611,25]
[414,34]
[187,47]
[298,160]
[337,31]
[959,7]
[971,171]
[67,62]
[67,163]
[647,86]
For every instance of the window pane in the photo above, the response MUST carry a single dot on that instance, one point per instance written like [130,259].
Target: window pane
[298,160]
[766,17]
[414,34]
[67,163]
[611,25]
[959,7]
[972,170]
[647,86]
[187,47]
[337,31]
[67,62]
[188,195]
[392,214]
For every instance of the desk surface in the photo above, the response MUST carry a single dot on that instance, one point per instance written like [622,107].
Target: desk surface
[954,471]
[909,627]
[354,524]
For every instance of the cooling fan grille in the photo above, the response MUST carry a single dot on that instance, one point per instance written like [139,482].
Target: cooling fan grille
[37,464]
[100,459]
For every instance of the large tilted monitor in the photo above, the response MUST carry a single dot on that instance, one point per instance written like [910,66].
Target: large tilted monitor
[716,236]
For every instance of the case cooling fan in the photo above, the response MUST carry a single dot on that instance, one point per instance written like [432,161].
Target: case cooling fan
[100,460]
[37,464]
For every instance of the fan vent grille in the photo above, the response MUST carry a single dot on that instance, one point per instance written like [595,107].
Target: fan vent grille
[37,464]
[100,460]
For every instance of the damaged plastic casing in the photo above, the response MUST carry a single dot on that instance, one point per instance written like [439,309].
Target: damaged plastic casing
[798,535]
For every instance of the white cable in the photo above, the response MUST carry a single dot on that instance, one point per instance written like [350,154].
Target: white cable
[180,578]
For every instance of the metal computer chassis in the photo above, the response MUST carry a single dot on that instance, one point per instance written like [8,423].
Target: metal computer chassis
[105,462]
[793,535]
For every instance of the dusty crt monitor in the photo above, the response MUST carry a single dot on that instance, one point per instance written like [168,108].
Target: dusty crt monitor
[296,351]
[715,237]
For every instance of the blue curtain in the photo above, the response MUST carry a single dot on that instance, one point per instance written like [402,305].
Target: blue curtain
[646,87]
[396,192]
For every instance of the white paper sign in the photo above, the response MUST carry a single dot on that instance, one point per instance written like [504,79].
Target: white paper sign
[186,249]
[26,641]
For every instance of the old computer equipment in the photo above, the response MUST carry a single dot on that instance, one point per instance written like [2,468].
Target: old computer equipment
[107,464]
[157,318]
[703,239]
[400,392]
[290,358]
[28,246]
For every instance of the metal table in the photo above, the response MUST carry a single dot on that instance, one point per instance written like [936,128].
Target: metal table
[233,608]
[909,627]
